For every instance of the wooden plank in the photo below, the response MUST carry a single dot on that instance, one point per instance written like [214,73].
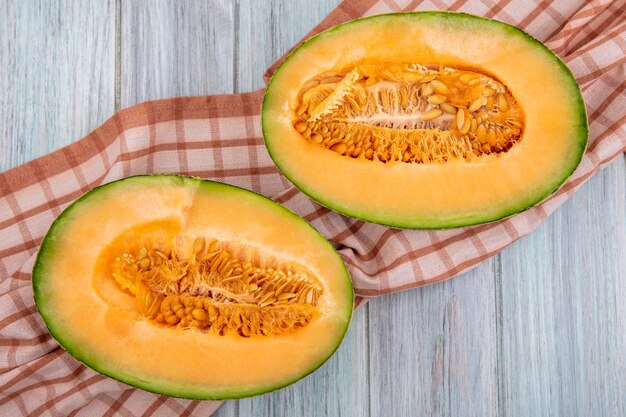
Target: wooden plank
[57,63]
[433,349]
[170,48]
[267,29]
[562,308]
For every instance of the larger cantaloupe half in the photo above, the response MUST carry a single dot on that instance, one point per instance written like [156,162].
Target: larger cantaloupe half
[191,288]
[425,120]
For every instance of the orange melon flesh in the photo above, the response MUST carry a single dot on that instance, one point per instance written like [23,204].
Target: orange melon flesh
[94,320]
[455,193]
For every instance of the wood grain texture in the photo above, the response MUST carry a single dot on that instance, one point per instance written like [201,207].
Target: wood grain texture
[171,48]
[56,74]
[563,308]
[433,349]
[539,330]
[266,30]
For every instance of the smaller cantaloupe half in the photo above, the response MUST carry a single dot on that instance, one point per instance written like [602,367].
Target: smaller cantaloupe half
[425,120]
[191,288]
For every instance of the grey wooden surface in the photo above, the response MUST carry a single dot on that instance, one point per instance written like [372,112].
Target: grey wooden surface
[539,330]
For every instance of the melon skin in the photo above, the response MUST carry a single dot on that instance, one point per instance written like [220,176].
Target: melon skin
[305,174]
[45,284]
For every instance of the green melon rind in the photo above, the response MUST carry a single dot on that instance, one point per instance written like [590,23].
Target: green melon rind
[48,249]
[579,142]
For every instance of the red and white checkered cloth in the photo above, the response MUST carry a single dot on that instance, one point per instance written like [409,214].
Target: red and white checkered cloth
[219,137]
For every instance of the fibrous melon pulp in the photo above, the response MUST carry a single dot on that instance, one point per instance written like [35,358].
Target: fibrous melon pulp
[191,288]
[425,120]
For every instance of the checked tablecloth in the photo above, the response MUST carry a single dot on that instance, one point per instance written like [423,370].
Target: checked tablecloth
[219,137]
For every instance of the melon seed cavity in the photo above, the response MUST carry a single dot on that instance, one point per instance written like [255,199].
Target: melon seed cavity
[408,112]
[220,288]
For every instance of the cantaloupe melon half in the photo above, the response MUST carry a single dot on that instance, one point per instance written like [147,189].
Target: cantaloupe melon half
[191,288]
[425,120]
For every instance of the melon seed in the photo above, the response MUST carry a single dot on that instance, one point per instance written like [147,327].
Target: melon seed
[339,148]
[436,99]
[300,127]
[491,137]
[213,290]
[448,108]
[440,88]
[199,314]
[503,104]
[395,112]
[460,118]
[431,114]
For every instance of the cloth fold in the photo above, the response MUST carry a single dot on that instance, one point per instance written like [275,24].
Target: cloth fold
[219,137]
